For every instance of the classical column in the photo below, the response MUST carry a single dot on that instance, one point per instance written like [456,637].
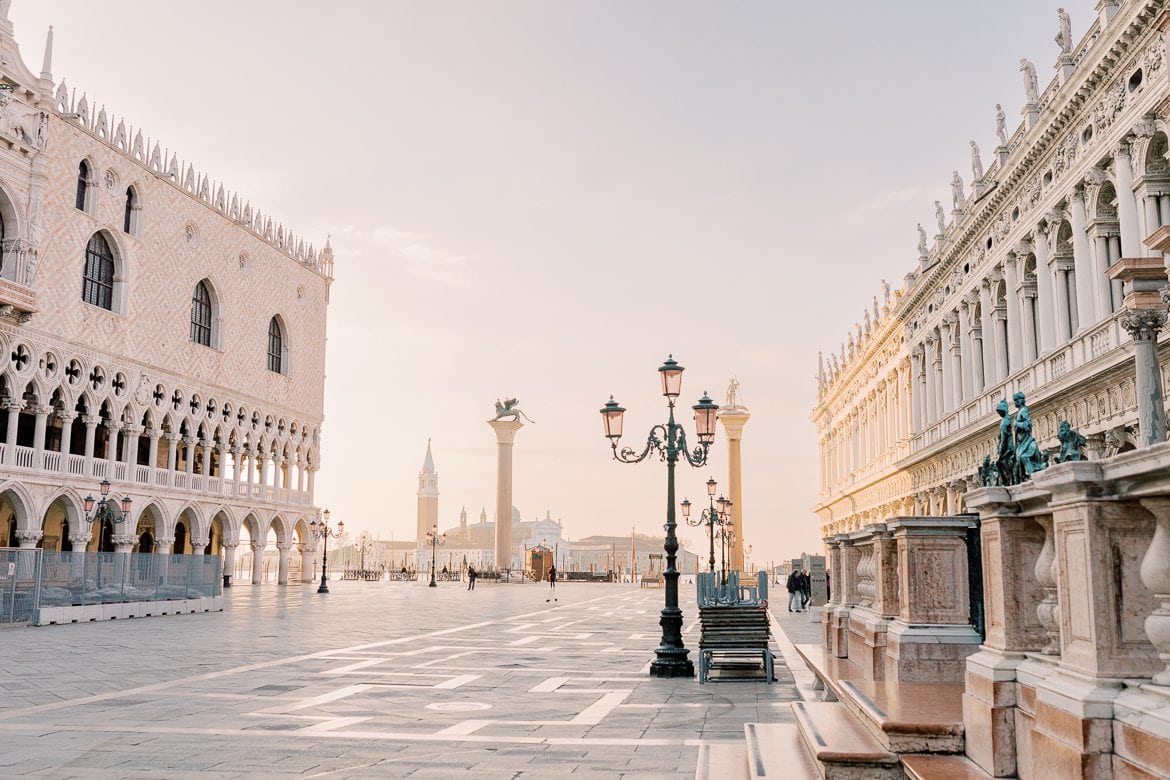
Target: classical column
[206,466]
[13,407]
[940,404]
[198,546]
[1127,215]
[917,393]
[236,470]
[967,352]
[29,539]
[1044,296]
[250,456]
[307,559]
[505,435]
[999,317]
[733,419]
[229,562]
[152,457]
[111,446]
[987,327]
[132,432]
[1083,262]
[189,457]
[66,419]
[1144,316]
[42,412]
[172,456]
[958,336]
[1103,294]
[1015,350]
[947,339]
[1029,318]
[258,546]
[931,406]
[91,422]
[282,566]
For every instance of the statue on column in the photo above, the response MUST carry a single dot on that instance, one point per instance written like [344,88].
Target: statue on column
[1064,34]
[1031,85]
[1029,458]
[940,217]
[957,197]
[734,397]
[1005,459]
[1000,125]
[976,162]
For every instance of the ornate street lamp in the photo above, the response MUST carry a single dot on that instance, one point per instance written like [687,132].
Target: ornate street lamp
[710,518]
[669,442]
[107,513]
[320,529]
[434,539]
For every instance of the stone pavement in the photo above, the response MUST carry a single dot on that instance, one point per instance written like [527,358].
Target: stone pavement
[375,679]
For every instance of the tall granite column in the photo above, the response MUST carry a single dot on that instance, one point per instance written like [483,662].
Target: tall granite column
[733,419]
[1144,316]
[505,435]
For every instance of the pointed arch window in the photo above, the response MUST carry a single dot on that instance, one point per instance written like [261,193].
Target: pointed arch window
[82,184]
[130,217]
[275,346]
[201,315]
[97,286]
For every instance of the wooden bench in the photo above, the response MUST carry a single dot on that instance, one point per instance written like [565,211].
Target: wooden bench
[734,636]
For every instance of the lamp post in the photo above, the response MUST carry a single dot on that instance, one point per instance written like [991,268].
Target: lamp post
[727,539]
[434,539]
[106,513]
[320,529]
[669,442]
[709,517]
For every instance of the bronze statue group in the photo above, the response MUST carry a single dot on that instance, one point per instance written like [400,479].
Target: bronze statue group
[1018,456]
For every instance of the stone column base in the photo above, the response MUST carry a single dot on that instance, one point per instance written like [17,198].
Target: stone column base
[867,642]
[989,711]
[1070,728]
[935,653]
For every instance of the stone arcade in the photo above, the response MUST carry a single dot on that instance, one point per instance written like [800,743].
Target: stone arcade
[1035,637]
[155,330]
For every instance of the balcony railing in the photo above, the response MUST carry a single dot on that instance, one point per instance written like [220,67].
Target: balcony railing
[81,467]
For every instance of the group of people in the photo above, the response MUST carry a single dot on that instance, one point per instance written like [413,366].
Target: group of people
[799,590]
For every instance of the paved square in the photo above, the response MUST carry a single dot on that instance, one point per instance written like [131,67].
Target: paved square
[374,679]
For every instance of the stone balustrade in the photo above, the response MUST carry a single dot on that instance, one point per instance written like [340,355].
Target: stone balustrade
[1078,618]
[901,608]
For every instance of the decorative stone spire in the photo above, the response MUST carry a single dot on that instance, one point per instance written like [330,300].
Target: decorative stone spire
[47,65]
[428,496]
[429,462]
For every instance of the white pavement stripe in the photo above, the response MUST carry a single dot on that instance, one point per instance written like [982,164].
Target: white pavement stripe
[596,712]
[324,698]
[464,728]
[549,685]
[455,682]
[526,640]
[332,724]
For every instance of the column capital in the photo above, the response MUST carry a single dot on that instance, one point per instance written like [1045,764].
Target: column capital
[90,420]
[259,544]
[1143,324]
[81,538]
[13,405]
[230,545]
[42,410]
[131,429]
[65,416]
[283,546]
[31,537]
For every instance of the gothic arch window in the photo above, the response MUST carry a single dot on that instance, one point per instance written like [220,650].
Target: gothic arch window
[131,215]
[97,286]
[82,185]
[202,314]
[276,347]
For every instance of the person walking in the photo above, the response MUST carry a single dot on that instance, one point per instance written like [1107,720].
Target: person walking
[552,581]
[805,589]
[793,585]
[471,575]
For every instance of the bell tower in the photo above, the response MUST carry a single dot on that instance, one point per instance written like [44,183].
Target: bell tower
[428,497]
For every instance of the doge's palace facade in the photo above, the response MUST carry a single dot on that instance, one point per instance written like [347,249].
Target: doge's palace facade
[156,331]
[1011,293]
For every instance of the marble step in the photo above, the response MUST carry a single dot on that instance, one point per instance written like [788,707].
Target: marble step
[941,767]
[722,761]
[775,750]
[843,748]
[908,717]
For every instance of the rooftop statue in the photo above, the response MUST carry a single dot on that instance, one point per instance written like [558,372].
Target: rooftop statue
[976,162]
[940,217]
[957,197]
[509,408]
[922,250]
[1064,34]
[886,292]
[1000,125]
[1071,443]
[1031,86]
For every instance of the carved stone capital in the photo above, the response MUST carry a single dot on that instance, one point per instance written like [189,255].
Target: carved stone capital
[31,537]
[259,544]
[1143,324]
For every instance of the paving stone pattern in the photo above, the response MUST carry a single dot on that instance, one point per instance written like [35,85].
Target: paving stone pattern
[374,679]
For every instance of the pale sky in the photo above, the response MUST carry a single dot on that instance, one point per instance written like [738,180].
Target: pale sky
[543,199]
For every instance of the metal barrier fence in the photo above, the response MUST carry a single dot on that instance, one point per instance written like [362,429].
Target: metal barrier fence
[31,579]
